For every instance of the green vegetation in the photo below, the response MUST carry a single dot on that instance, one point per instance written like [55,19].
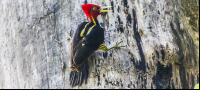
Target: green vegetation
[191,10]
[196,86]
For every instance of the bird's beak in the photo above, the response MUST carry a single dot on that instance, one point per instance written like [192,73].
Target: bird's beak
[105,9]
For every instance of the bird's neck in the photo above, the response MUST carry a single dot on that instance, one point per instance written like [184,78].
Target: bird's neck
[93,19]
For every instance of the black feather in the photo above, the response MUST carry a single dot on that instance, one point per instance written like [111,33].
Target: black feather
[80,79]
[82,48]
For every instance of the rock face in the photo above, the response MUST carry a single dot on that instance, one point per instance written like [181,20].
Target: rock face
[161,38]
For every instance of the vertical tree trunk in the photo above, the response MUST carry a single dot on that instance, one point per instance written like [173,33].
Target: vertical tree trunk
[161,38]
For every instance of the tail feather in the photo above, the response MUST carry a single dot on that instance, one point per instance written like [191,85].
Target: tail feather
[80,79]
[86,72]
[74,81]
[72,78]
[76,78]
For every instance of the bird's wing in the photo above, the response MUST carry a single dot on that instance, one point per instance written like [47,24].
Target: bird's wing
[88,45]
[75,40]
[82,52]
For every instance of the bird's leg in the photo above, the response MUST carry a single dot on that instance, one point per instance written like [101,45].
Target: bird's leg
[116,46]
[105,49]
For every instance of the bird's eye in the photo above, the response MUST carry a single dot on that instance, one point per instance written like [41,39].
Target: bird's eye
[94,8]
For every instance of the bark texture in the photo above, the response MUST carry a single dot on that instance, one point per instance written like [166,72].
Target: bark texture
[162,38]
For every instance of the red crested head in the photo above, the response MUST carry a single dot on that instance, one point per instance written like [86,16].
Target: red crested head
[92,11]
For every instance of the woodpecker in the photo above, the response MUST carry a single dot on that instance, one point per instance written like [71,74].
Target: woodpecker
[88,38]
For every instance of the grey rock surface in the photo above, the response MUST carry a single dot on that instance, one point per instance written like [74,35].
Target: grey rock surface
[162,49]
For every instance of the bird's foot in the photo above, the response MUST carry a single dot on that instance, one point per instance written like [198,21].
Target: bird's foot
[116,47]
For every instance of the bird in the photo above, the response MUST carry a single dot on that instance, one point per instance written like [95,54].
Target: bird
[88,38]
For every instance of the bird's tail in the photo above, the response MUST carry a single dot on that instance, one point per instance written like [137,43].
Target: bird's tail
[76,78]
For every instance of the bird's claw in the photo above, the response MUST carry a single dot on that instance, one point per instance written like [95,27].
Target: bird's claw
[117,47]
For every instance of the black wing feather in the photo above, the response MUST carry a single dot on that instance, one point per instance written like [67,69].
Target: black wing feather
[81,49]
